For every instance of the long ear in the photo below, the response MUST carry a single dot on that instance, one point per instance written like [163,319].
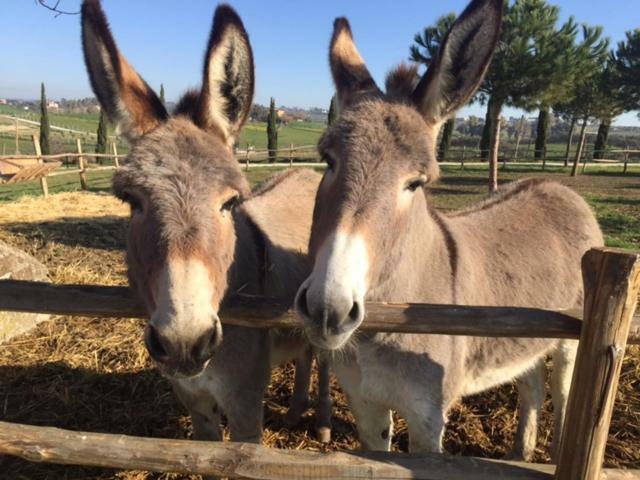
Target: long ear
[126,98]
[461,63]
[228,84]
[350,74]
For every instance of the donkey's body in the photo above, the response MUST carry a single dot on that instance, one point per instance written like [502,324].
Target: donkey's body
[188,246]
[375,237]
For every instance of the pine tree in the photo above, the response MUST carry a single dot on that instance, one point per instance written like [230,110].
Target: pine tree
[332,116]
[272,131]
[627,62]
[45,128]
[523,66]
[425,47]
[162,93]
[101,143]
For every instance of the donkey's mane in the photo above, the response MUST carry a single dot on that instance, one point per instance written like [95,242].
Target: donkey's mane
[507,193]
[401,81]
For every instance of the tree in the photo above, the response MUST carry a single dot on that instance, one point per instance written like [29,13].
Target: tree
[101,143]
[162,94]
[45,128]
[425,47]
[272,131]
[332,116]
[523,66]
[627,64]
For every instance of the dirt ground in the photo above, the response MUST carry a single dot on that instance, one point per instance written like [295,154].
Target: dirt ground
[94,374]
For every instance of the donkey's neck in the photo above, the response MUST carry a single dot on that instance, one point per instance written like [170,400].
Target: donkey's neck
[421,267]
[246,274]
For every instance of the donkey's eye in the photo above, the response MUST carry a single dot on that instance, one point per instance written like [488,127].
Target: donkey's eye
[229,204]
[134,202]
[416,183]
[331,165]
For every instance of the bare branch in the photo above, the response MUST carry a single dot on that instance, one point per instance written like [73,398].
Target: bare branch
[54,8]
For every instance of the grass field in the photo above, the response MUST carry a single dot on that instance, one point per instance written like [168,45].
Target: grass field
[94,374]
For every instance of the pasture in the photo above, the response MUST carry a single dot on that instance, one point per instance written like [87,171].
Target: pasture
[94,374]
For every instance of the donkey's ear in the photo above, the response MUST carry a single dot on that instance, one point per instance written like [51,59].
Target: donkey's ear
[126,98]
[350,74]
[461,63]
[228,84]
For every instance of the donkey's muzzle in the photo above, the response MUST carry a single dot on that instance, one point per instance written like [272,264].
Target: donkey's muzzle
[185,359]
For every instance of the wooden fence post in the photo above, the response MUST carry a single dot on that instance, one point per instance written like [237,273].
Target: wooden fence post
[246,159]
[626,160]
[464,148]
[114,148]
[83,175]
[611,283]
[43,179]
[290,155]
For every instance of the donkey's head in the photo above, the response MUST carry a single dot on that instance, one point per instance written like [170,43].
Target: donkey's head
[181,181]
[380,157]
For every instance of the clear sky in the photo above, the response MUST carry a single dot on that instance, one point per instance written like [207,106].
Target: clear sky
[165,40]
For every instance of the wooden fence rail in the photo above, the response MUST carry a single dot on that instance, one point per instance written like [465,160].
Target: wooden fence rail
[260,312]
[242,460]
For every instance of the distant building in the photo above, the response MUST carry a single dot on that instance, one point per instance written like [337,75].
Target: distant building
[3,101]
[52,104]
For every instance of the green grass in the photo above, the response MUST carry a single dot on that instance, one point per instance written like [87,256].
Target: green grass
[296,133]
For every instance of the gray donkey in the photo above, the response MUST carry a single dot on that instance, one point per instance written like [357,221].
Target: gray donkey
[375,236]
[188,245]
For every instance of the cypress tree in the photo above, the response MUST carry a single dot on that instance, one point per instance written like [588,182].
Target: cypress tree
[45,128]
[333,112]
[540,152]
[101,144]
[162,93]
[445,141]
[272,131]
[601,139]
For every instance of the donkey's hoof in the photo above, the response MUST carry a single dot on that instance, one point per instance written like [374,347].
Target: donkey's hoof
[323,434]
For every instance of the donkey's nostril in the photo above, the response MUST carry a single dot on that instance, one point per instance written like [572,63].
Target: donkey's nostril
[155,344]
[354,313]
[301,302]
[205,347]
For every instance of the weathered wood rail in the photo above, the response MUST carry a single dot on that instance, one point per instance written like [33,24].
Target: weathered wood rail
[611,284]
[259,312]
[243,460]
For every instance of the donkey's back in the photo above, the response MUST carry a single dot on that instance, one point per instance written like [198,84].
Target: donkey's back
[523,247]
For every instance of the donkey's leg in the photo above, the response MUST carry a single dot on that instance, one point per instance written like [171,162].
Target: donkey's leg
[323,409]
[204,412]
[300,398]
[531,393]
[426,429]
[373,421]
[563,360]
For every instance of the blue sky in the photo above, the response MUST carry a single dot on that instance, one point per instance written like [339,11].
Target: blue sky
[165,39]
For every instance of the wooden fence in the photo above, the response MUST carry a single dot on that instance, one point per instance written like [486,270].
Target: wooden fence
[611,281]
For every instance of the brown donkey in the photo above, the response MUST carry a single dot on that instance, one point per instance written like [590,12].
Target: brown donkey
[187,243]
[375,236]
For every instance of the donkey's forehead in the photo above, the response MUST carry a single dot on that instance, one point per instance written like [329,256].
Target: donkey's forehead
[381,131]
[179,154]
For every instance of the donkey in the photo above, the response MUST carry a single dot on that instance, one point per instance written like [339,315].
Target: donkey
[196,232]
[375,236]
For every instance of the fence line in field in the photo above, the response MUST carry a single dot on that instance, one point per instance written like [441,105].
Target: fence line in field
[611,281]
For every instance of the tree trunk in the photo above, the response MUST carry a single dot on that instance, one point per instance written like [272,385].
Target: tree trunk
[576,160]
[485,140]
[601,139]
[494,111]
[519,138]
[574,119]
[540,152]
[445,141]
